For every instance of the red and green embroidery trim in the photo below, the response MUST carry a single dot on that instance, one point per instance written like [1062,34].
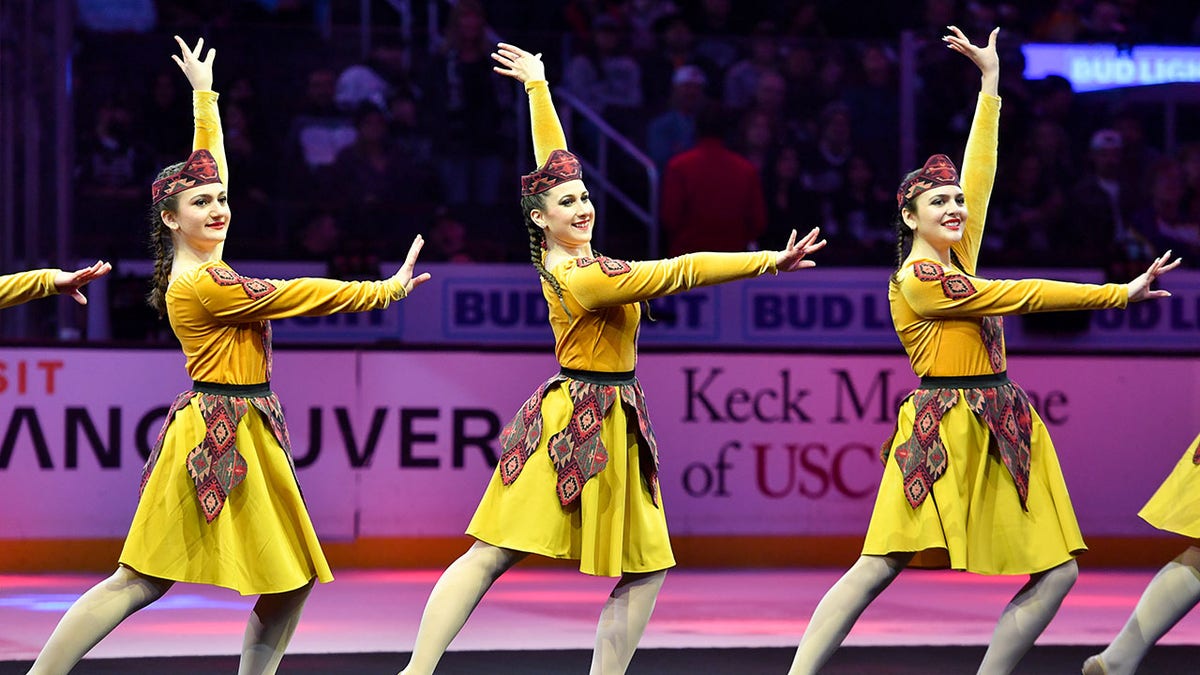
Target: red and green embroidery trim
[577,451]
[922,457]
[214,464]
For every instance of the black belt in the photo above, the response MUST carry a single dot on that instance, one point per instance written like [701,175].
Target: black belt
[965,381]
[599,377]
[243,390]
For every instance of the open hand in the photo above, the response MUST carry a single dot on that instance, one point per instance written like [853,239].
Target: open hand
[791,258]
[518,63]
[69,283]
[405,274]
[984,57]
[199,73]
[1139,288]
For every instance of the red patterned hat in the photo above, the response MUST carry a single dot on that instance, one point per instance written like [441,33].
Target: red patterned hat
[199,169]
[938,171]
[560,167]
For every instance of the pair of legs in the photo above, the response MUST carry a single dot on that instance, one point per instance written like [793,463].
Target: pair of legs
[1171,594]
[96,613]
[463,584]
[1023,619]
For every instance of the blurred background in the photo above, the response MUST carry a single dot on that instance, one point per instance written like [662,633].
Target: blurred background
[353,125]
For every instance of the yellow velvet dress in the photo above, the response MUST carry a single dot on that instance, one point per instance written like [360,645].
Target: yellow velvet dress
[981,513]
[25,286]
[239,522]
[1175,506]
[612,520]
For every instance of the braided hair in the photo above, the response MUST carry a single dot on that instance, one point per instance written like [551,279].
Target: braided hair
[537,243]
[161,246]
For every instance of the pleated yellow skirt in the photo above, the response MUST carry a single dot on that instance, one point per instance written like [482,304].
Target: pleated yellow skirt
[612,528]
[1175,506]
[262,541]
[973,518]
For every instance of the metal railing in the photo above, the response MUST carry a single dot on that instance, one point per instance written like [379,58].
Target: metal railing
[570,106]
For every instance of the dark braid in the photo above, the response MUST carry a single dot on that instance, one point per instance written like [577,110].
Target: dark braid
[537,244]
[161,246]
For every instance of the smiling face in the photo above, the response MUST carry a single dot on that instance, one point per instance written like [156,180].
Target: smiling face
[201,219]
[568,215]
[937,217]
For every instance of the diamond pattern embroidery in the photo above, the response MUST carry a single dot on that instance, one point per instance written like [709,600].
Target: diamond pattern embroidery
[254,288]
[215,466]
[610,266]
[577,451]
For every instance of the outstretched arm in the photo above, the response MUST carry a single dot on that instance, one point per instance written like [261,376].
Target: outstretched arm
[979,161]
[528,69]
[25,286]
[199,73]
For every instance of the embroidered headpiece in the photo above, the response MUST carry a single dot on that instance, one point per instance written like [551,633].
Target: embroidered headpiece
[199,169]
[560,167]
[938,171]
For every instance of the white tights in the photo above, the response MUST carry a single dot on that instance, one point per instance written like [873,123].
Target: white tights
[97,612]
[1025,617]
[1171,594]
[463,584]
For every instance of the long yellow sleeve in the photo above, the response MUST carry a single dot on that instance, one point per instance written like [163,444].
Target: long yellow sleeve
[25,286]
[953,295]
[547,130]
[208,133]
[607,282]
[232,298]
[978,175]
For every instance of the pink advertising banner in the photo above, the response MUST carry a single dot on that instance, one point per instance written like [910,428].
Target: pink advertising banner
[402,443]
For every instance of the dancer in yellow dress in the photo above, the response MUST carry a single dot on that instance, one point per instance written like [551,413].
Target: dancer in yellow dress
[971,480]
[578,473]
[219,503]
[1175,589]
[22,287]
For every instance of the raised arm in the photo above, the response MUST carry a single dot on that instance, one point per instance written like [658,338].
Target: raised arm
[199,73]
[528,69]
[979,160]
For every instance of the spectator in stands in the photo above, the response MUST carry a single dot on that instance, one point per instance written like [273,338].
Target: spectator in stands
[873,101]
[712,197]
[164,104]
[1189,160]
[800,81]
[385,74]
[1098,228]
[757,137]
[462,92]
[674,131]
[1026,217]
[376,185]
[741,80]
[717,25]
[788,204]
[1163,220]
[641,16]
[111,173]
[605,77]
[1138,157]
[318,130]
[857,215]
[824,162]
[676,48]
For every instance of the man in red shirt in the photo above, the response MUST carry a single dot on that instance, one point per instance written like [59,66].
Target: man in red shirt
[712,197]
